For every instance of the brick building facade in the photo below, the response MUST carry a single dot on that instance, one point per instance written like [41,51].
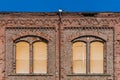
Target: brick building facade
[60,31]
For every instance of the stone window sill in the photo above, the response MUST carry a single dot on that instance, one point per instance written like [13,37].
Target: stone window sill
[89,75]
[14,74]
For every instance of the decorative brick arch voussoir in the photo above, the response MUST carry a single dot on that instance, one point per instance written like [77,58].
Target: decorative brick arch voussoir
[97,34]
[39,34]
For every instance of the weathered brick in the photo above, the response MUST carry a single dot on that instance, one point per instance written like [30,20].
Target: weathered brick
[72,25]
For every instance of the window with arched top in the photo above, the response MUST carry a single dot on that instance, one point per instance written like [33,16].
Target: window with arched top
[40,57]
[88,55]
[79,57]
[31,55]
[96,57]
[22,57]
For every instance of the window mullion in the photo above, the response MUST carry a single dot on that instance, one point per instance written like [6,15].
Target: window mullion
[88,58]
[31,59]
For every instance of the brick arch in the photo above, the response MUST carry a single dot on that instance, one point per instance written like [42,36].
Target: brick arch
[39,34]
[80,34]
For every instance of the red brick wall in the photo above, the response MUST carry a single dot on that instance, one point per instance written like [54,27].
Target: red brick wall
[69,20]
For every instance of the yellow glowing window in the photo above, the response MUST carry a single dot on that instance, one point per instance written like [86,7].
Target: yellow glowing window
[22,57]
[96,57]
[79,57]
[40,57]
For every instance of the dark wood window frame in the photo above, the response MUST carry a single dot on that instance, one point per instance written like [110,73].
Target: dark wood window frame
[88,40]
[31,42]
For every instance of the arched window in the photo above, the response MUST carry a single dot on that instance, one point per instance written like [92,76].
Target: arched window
[22,57]
[40,57]
[96,57]
[31,55]
[79,57]
[88,55]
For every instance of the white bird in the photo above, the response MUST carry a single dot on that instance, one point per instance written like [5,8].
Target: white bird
[60,10]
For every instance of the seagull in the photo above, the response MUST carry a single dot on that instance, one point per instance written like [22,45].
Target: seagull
[60,10]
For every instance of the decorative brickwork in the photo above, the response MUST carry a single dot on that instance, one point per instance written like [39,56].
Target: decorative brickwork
[31,35]
[59,29]
[70,34]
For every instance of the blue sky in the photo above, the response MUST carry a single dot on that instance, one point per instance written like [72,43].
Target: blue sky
[54,5]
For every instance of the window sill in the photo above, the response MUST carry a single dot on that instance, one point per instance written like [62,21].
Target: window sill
[89,75]
[29,74]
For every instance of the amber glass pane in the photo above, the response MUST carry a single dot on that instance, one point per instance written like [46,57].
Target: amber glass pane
[96,57]
[40,57]
[79,57]
[22,57]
